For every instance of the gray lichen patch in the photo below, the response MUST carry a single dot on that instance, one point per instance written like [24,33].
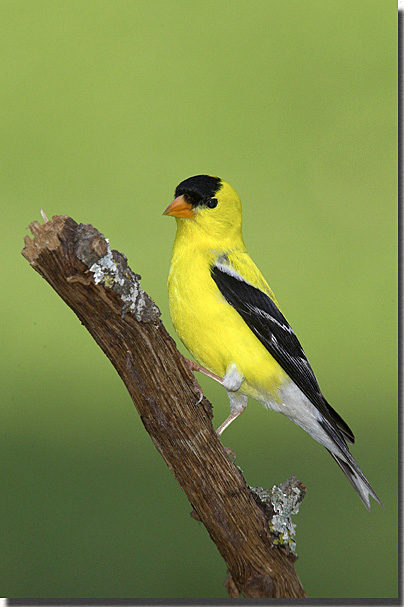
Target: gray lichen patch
[285,506]
[285,500]
[111,270]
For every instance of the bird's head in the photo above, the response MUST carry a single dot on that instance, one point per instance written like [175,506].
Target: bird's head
[209,205]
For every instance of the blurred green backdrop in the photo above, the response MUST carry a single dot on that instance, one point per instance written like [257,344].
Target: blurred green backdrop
[106,106]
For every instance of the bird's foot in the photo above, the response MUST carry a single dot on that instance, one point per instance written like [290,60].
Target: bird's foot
[230,453]
[190,364]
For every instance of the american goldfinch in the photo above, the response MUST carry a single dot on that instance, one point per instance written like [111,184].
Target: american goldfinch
[228,318]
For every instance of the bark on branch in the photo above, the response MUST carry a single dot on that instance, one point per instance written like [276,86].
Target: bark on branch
[105,294]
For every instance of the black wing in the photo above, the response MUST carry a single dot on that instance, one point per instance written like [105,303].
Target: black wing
[273,330]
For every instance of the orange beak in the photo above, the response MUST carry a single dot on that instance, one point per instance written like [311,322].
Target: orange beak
[180,208]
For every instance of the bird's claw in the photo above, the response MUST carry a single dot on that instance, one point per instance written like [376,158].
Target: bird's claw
[229,453]
[192,366]
[199,391]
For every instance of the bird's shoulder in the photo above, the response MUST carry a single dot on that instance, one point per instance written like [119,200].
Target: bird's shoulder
[239,264]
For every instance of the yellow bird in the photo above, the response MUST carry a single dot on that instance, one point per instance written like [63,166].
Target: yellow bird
[228,318]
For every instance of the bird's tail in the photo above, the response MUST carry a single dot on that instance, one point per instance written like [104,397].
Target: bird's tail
[347,463]
[356,477]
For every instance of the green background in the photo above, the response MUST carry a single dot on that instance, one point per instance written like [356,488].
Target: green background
[106,107]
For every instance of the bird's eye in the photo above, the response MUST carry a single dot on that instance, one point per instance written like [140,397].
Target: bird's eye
[212,203]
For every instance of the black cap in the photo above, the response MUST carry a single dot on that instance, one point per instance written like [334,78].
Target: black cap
[198,189]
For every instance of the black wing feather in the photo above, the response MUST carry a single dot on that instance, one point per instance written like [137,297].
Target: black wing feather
[273,330]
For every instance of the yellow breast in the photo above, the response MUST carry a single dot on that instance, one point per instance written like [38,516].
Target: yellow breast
[211,329]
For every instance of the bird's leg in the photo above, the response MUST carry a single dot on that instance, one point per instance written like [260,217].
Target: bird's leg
[193,366]
[228,421]
[232,382]
[238,403]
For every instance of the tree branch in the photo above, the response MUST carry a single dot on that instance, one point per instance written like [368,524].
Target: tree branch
[105,294]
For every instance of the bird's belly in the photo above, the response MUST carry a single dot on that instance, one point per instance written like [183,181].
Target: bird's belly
[217,336]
